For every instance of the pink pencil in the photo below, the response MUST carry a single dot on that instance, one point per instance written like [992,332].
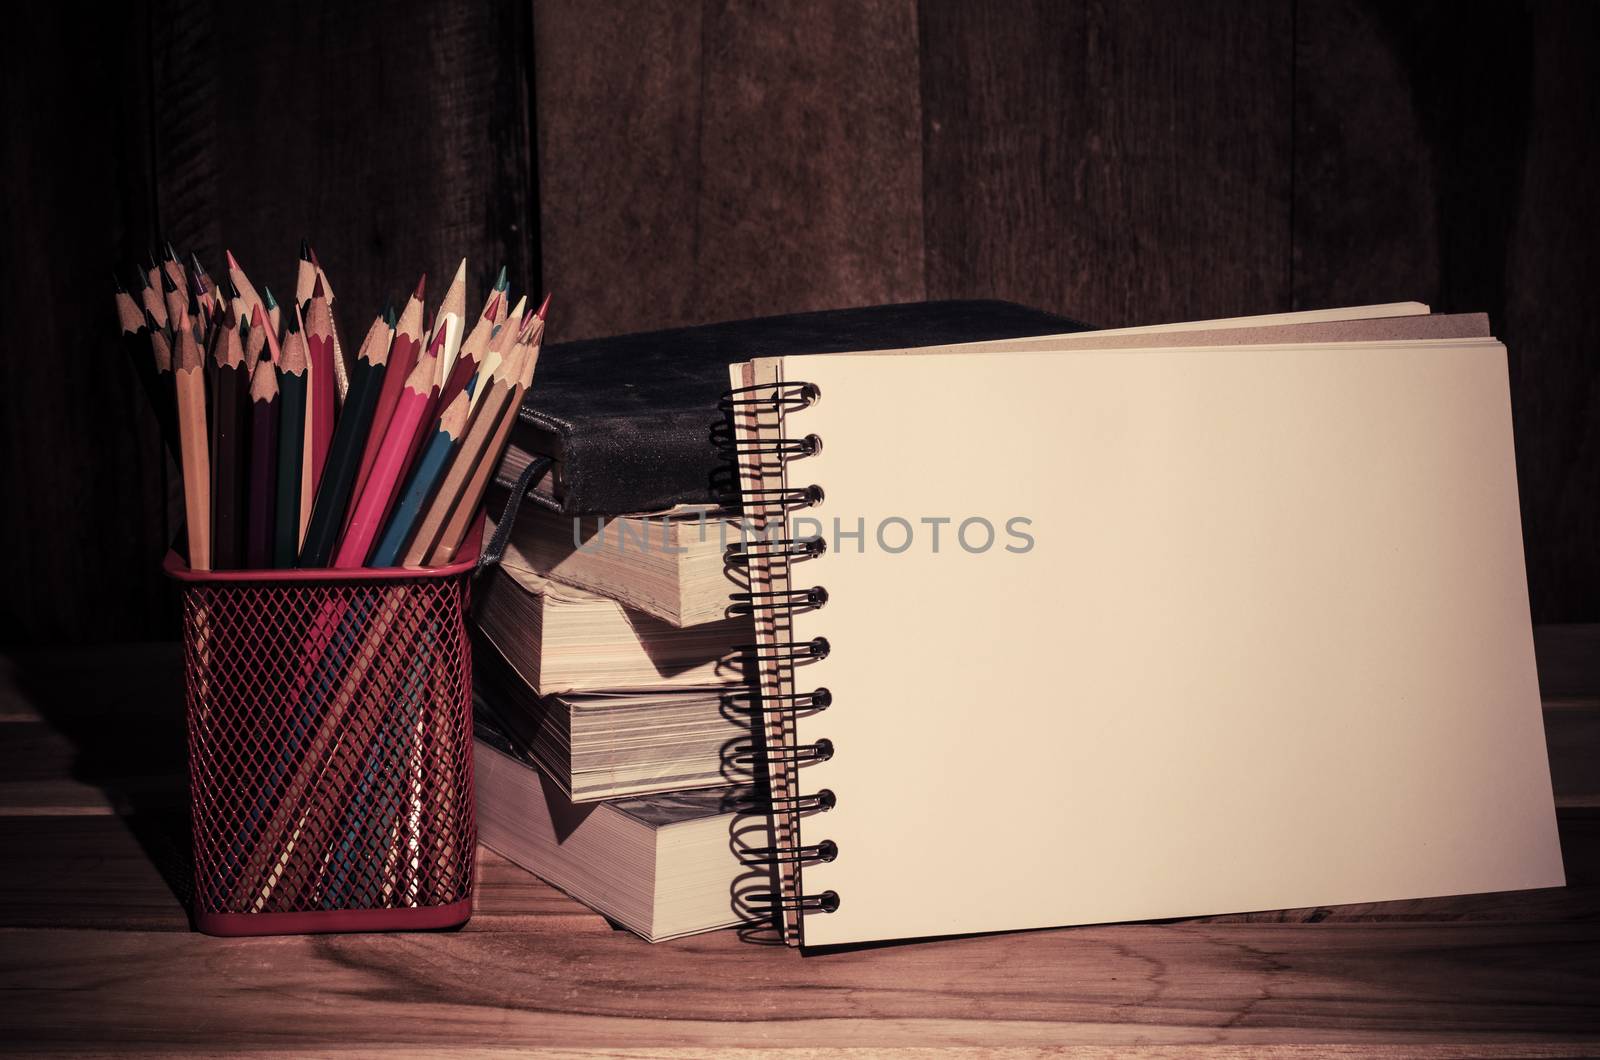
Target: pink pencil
[394,453]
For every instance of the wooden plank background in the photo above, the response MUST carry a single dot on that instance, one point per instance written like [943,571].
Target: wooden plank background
[671,164]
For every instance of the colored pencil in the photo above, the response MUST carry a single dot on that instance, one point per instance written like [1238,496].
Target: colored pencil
[255,340]
[274,311]
[305,276]
[470,356]
[482,418]
[176,301]
[247,291]
[204,292]
[485,421]
[425,475]
[230,428]
[320,392]
[294,352]
[172,270]
[341,367]
[466,509]
[287,522]
[264,410]
[344,456]
[452,315]
[195,461]
[378,495]
[403,355]
[500,341]
[150,296]
[138,330]
[431,411]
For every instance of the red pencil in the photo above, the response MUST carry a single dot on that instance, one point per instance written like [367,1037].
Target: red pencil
[431,413]
[402,358]
[320,392]
[405,426]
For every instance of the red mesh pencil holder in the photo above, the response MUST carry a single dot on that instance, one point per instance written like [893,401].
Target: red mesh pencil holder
[330,748]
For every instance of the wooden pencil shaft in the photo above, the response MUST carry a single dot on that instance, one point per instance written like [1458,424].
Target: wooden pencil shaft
[403,356]
[138,345]
[480,428]
[195,462]
[377,496]
[263,474]
[465,512]
[344,461]
[418,490]
[291,448]
[229,427]
[320,395]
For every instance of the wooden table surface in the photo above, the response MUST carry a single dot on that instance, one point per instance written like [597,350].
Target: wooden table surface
[96,952]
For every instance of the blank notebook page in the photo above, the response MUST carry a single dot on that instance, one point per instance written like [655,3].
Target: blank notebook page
[1269,647]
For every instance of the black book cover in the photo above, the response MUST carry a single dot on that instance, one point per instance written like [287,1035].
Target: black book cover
[634,418]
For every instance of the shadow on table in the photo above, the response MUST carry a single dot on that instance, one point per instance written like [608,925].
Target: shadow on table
[122,710]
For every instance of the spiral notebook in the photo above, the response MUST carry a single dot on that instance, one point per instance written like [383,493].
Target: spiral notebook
[1052,635]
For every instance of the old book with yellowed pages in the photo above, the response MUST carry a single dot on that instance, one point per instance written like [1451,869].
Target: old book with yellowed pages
[562,639]
[662,866]
[667,564]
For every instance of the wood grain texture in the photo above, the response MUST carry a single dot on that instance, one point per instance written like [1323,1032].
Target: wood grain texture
[1440,154]
[726,159]
[1119,163]
[393,136]
[82,473]
[810,157]
[95,947]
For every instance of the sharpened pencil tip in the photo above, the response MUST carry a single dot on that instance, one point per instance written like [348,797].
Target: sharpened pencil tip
[194,264]
[544,307]
[305,249]
[166,282]
[422,285]
[316,289]
[172,255]
[266,296]
[116,282]
[502,281]
[316,264]
[291,326]
[389,317]
[233,288]
[233,262]
[255,315]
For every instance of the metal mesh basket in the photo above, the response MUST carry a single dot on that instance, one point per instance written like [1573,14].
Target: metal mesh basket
[330,748]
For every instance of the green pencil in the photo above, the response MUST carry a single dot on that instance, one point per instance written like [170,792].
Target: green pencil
[344,453]
[291,362]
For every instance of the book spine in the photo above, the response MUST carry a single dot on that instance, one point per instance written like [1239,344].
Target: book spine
[758,406]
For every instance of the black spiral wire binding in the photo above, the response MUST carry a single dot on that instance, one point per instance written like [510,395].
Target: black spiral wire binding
[740,555]
[791,703]
[779,397]
[786,601]
[783,398]
[826,902]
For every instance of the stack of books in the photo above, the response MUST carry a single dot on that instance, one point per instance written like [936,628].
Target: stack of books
[612,760]
[615,754]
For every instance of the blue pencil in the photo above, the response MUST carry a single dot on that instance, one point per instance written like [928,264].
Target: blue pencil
[425,477]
